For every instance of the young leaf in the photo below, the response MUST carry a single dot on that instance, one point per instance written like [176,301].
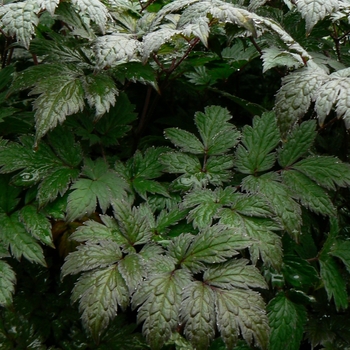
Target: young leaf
[286,321]
[280,199]
[101,184]
[234,274]
[100,292]
[90,256]
[297,143]
[241,311]
[333,281]
[315,10]
[37,224]
[325,171]
[258,140]
[308,192]
[198,314]
[7,283]
[160,296]
[20,241]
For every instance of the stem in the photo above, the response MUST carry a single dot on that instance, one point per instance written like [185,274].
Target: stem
[258,48]
[336,40]
[148,3]
[323,127]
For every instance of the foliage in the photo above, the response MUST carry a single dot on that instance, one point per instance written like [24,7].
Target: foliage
[174,174]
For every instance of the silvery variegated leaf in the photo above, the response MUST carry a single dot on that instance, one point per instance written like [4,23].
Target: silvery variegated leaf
[48,5]
[114,49]
[20,19]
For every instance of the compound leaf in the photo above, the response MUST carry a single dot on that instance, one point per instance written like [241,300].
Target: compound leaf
[241,311]
[20,241]
[198,314]
[308,192]
[258,140]
[234,273]
[101,183]
[184,140]
[286,321]
[91,255]
[325,170]
[160,296]
[20,19]
[100,292]
[297,143]
[132,268]
[314,10]
[7,283]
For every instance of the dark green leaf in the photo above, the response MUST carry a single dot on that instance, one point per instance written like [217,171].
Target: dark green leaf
[297,143]
[37,224]
[7,284]
[341,250]
[185,140]
[286,321]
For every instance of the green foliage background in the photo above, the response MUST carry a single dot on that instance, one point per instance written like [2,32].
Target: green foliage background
[174,174]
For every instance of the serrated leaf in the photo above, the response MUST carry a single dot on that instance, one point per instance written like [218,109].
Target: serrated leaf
[308,192]
[214,245]
[298,272]
[273,56]
[334,92]
[57,100]
[207,203]
[341,250]
[265,243]
[286,321]
[94,231]
[160,296]
[198,27]
[154,40]
[55,183]
[13,234]
[293,99]
[185,140]
[279,198]
[37,224]
[132,268]
[100,292]
[48,5]
[166,218]
[198,314]
[241,311]
[234,273]
[333,281]
[217,134]
[326,171]
[95,9]
[100,92]
[91,255]
[7,283]
[117,48]
[258,140]
[134,225]
[297,143]
[8,194]
[314,10]
[142,186]
[101,184]
[180,163]
[20,19]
